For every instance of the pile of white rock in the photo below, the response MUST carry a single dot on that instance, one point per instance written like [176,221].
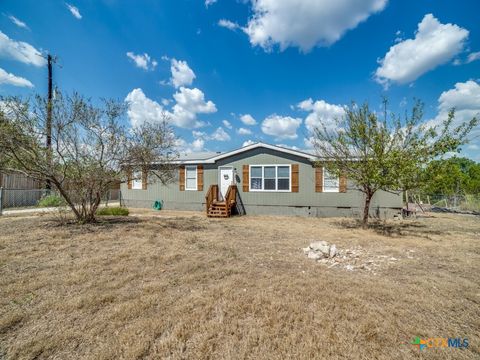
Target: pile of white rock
[320,250]
[352,259]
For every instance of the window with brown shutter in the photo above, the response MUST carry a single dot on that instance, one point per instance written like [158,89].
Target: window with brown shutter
[319,179]
[245,179]
[343,184]
[295,177]
[200,178]
[181,178]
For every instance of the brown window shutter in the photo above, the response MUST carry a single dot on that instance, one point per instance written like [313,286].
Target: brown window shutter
[246,178]
[319,179]
[200,178]
[129,178]
[295,179]
[343,184]
[144,179]
[181,178]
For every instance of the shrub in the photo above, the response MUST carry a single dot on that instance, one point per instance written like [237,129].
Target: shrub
[51,201]
[113,211]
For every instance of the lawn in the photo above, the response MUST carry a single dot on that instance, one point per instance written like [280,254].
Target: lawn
[182,286]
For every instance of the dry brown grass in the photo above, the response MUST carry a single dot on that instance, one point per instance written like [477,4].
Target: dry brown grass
[183,286]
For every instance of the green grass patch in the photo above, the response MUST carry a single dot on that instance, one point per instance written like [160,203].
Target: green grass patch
[51,201]
[113,211]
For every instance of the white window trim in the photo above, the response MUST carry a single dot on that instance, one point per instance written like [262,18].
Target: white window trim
[263,177]
[336,190]
[137,180]
[196,177]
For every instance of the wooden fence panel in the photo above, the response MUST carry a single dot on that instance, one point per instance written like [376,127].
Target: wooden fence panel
[18,181]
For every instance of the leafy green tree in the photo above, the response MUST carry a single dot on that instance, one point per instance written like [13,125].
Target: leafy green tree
[473,180]
[386,152]
[452,176]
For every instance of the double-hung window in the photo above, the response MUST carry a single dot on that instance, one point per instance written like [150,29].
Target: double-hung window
[330,182]
[137,180]
[191,177]
[270,178]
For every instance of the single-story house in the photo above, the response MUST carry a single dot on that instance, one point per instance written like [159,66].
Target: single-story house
[257,179]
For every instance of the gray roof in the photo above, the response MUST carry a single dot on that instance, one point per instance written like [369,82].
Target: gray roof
[212,157]
[197,155]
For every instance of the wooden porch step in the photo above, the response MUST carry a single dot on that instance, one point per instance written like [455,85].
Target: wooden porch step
[218,210]
[218,215]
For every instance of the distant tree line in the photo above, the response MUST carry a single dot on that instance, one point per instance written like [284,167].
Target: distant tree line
[453,176]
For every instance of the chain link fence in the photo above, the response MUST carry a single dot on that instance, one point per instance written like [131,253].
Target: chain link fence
[20,198]
[30,198]
[455,203]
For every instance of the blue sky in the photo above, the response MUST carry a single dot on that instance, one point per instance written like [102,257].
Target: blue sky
[230,72]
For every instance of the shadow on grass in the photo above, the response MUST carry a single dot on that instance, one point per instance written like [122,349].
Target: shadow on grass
[392,229]
[101,222]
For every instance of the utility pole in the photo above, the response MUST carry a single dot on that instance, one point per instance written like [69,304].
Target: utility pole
[49,117]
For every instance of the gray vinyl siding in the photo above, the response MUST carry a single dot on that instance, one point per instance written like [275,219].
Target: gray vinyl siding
[306,202]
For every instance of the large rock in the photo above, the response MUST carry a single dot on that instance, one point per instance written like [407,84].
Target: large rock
[314,255]
[320,246]
[333,251]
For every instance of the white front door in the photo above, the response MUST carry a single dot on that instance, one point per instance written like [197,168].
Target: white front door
[226,179]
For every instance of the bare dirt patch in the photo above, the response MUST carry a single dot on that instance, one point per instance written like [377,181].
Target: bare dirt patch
[178,285]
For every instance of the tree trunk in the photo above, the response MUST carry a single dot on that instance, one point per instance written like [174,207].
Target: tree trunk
[366,209]
[64,195]
[94,207]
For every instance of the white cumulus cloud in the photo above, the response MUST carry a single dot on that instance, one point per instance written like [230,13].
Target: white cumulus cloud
[243,131]
[143,61]
[434,44]
[248,142]
[228,24]
[220,135]
[465,98]
[227,124]
[182,75]
[20,51]
[474,56]
[190,103]
[281,127]
[306,23]
[197,145]
[74,10]
[142,109]
[10,79]
[18,22]
[210,2]
[321,113]
[248,119]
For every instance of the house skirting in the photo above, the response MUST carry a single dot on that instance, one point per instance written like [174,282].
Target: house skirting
[283,210]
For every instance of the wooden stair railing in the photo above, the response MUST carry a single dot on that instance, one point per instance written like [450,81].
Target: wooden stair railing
[231,195]
[212,196]
[220,208]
